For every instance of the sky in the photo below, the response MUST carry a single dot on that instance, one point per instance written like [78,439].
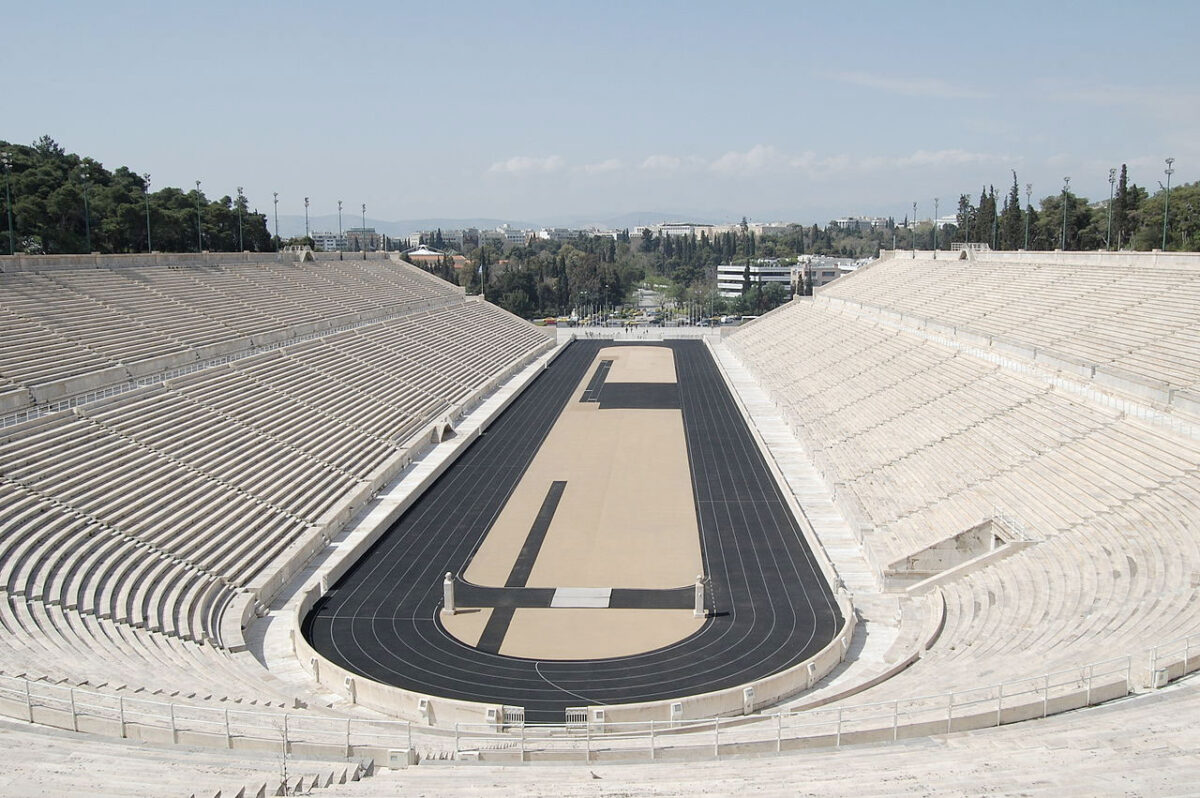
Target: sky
[544,111]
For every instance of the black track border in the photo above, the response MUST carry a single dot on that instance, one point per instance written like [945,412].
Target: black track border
[772,606]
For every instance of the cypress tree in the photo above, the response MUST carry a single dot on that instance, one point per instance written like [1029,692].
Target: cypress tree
[1120,211]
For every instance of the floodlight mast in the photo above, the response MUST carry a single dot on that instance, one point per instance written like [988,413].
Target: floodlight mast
[1066,185]
[1170,170]
[199,236]
[146,191]
[1112,180]
[6,160]
[913,224]
[241,240]
[1028,210]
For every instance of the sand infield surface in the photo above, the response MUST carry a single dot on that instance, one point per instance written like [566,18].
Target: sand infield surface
[771,606]
[626,518]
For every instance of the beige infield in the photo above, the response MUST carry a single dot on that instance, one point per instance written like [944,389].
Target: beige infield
[626,519]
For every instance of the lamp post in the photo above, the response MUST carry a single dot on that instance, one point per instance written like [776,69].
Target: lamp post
[6,159]
[277,242]
[1028,210]
[339,238]
[241,241]
[364,230]
[1170,170]
[913,223]
[146,192]
[1066,186]
[1112,181]
[199,234]
[87,213]
[935,227]
[306,217]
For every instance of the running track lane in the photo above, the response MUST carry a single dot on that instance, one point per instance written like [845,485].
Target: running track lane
[773,607]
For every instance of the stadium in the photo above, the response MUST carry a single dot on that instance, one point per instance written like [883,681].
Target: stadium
[291,523]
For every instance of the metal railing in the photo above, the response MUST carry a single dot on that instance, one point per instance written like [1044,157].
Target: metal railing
[1173,660]
[128,716]
[901,718]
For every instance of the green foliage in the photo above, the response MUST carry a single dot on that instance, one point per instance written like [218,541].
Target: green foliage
[1137,220]
[50,189]
[1183,219]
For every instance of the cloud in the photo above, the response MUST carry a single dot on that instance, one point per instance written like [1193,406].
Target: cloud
[664,163]
[908,87]
[1174,104]
[758,158]
[767,159]
[526,165]
[672,163]
[609,165]
[954,157]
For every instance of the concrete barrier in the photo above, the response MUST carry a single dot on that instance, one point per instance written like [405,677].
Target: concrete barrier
[731,701]
[1132,384]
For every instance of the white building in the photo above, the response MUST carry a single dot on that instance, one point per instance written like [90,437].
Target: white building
[557,234]
[823,269]
[731,277]
[861,222]
[513,235]
[328,242]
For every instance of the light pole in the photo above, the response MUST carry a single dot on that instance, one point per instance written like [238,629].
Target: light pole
[306,217]
[1028,210]
[87,213]
[935,227]
[241,241]
[6,159]
[339,238]
[914,230]
[1170,170]
[277,242]
[1112,181]
[1066,185]
[146,191]
[199,234]
[364,230]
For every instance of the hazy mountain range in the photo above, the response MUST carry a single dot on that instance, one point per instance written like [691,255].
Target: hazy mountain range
[293,224]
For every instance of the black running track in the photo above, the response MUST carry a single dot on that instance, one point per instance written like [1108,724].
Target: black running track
[770,607]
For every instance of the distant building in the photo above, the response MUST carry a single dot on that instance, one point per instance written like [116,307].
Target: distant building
[861,222]
[557,234]
[513,235]
[424,256]
[363,239]
[731,277]
[823,270]
[768,229]
[328,242]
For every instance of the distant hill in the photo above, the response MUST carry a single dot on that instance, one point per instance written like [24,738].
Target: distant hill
[293,224]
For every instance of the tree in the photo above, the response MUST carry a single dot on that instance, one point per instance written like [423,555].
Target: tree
[1183,223]
[1125,205]
[51,187]
[965,217]
[1012,223]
